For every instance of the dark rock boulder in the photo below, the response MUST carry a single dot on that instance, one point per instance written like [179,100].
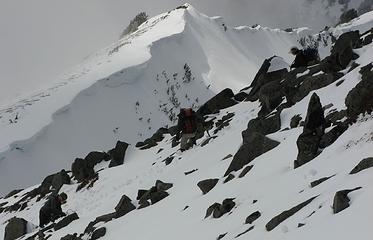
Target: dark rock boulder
[230,177]
[252,217]
[207,185]
[341,200]
[217,210]
[161,186]
[330,137]
[309,141]
[248,230]
[66,221]
[245,171]
[82,170]
[364,164]
[359,99]
[294,122]
[94,158]
[270,96]
[71,237]
[53,182]
[118,154]
[16,227]
[254,145]
[241,96]
[319,181]
[342,52]
[274,222]
[222,100]
[98,233]
[158,196]
[264,125]
[124,206]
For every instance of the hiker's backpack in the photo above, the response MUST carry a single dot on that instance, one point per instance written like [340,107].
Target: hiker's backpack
[311,54]
[189,121]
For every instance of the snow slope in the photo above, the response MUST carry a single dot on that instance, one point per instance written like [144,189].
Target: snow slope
[271,187]
[131,88]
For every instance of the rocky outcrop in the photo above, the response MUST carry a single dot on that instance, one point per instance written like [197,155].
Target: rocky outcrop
[359,99]
[98,233]
[16,227]
[364,164]
[274,222]
[154,194]
[222,100]
[254,145]
[252,217]
[124,206]
[217,210]
[66,221]
[342,52]
[341,200]
[294,122]
[82,170]
[309,141]
[71,237]
[156,138]
[118,153]
[330,137]
[12,193]
[319,181]
[207,185]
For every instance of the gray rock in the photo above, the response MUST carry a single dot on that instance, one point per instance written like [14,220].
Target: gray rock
[12,193]
[274,222]
[364,164]
[319,181]
[330,137]
[118,154]
[71,237]
[158,196]
[66,221]
[341,200]
[264,125]
[207,185]
[359,99]
[82,170]
[229,178]
[222,100]
[16,227]
[294,122]
[161,186]
[217,210]
[245,171]
[254,145]
[98,233]
[342,51]
[248,230]
[94,158]
[270,96]
[252,217]
[124,206]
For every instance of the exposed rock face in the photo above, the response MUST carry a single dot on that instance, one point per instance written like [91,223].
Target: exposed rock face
[124,206]
[154,194]
[53,183]
[254,145]
[94,158]
[286,214]
[207,185]
[156,138]
[348,16]
[217,210]
[16,227]
[330,137]
[98,233]
[222,100]
[252,217]
[309,141]
[342,52]
[294,122]
[264,125]
[359,99]
[364,164]
[245,171]
[71,237]
[66,221]
[341,200]
[319,181]
[118,154]
[82,170]
[12,193]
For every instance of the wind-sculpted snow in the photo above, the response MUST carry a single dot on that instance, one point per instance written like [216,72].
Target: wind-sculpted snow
[268,185]
[130,89]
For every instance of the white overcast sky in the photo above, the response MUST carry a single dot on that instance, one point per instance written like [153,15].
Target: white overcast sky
[39,39]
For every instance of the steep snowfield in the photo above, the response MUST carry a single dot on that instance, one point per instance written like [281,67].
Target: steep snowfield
[129,89]
[223,59]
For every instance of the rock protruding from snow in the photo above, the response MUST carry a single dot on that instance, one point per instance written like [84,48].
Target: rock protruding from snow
[217,210]
[274,222]
[254,145]
[118,154]
[364,164]
[124,206]
[359,99]
[252,217]
[207,185]
[342,52]
[341,200]
[82,170]
[319,181]
[98,233]
[16,228]
[71,237]
[66,221]
[154,194]
[222,100]
[309,141]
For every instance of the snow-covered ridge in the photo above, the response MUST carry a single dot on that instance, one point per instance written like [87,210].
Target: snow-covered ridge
[130,88]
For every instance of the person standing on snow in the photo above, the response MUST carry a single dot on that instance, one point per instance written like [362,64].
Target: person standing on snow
[187,126]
